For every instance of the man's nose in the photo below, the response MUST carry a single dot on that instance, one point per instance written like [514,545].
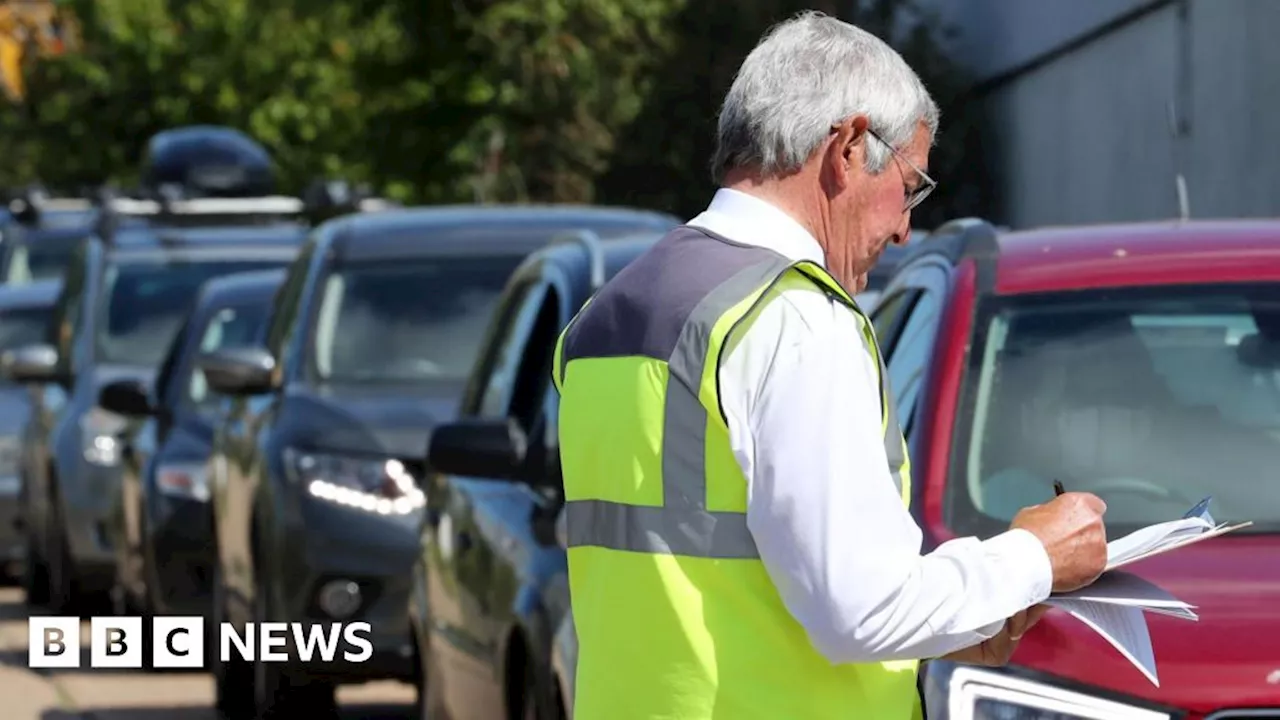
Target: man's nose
[904,230]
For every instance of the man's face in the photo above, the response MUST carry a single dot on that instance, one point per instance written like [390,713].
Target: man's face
[870,211]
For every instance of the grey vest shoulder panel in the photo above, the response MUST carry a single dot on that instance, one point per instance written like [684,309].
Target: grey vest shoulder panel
[645,307]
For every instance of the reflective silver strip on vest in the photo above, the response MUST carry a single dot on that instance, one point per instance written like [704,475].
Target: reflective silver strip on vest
[683,525]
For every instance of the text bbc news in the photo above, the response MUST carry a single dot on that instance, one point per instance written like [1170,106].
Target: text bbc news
[179,642]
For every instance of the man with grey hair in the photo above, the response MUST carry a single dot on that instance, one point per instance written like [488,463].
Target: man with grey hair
[736,482]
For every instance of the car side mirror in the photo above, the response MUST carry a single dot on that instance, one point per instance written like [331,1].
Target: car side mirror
[493,449]
[128,397]
[239,371]
[31,364]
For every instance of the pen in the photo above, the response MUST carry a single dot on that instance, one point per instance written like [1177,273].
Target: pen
[1057,488]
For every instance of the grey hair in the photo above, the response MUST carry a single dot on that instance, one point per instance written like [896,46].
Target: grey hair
[806,74]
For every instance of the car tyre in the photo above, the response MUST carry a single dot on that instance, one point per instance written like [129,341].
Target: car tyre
[35,571]
[58,568]
[529,693]
[232,680]
[280,692]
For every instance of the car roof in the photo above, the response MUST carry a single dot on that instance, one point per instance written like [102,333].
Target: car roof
[1108,256]
[257,283]
[1137,254]
[274,234]
[41,293]
[484,229]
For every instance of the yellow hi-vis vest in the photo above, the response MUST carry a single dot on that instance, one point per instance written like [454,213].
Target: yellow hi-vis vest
[676,616]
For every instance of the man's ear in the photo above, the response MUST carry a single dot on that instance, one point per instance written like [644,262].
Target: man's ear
[848,148]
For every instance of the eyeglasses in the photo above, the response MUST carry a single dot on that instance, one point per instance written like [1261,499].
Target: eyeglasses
[911,198]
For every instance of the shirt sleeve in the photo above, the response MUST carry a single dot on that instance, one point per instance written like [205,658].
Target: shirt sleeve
[801,397]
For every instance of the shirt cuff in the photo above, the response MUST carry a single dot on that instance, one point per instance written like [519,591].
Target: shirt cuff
[1027,562]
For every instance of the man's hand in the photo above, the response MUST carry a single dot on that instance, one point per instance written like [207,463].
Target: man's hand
[996,651]
[1071,530]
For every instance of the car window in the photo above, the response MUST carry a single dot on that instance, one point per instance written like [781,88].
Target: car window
[886,316]
[286,302]
[1150,399]
[416,321]
[507,351]
[533,377]
[146,300]
[235,326]
[911,350]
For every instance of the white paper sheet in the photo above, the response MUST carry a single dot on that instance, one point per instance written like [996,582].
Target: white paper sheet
[1122,626]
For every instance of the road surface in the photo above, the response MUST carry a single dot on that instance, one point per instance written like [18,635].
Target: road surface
[102,694]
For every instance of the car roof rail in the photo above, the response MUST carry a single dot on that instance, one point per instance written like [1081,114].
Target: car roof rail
[590,241]
[169,205]
[28,205]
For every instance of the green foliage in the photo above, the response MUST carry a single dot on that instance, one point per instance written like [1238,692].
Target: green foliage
[432,100]
[287,73]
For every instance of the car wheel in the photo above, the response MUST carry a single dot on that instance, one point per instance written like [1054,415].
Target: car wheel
[232,680]
[278,691]
[35,571]
[61,582]
[529,695]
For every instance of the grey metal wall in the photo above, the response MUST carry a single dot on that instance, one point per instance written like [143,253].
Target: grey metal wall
[1089,136]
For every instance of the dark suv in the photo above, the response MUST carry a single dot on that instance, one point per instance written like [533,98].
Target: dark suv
[315,471]
[126,291]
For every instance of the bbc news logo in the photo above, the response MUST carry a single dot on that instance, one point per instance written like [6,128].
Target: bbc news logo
[179,642]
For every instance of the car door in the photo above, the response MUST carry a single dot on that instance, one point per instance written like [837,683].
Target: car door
[460,594]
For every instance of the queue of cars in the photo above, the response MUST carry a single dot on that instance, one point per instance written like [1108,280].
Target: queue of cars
[316,410]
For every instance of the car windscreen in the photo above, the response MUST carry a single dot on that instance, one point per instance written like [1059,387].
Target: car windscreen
[145,300]
[418,321]
[35,258]
[1152,399]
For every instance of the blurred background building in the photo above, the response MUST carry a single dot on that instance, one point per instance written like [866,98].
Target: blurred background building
[1097,106]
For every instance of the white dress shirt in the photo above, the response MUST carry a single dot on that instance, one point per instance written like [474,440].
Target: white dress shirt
[802,399]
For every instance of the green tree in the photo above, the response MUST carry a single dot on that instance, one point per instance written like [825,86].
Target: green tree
[545,83]
[663,158]
[287,72]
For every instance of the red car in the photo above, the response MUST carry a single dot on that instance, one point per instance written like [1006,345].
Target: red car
[1137,362]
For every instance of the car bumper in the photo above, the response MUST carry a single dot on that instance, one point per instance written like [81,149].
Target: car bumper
[90,500]
[323,542]
[181,542]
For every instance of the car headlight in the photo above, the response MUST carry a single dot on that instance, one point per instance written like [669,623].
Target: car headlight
[960,692]
[189,481]
[378,485]
[99,435]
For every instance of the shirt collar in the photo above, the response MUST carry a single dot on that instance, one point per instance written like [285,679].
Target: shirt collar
[749,220]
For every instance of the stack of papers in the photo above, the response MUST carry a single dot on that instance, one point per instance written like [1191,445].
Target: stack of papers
[1114,603]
